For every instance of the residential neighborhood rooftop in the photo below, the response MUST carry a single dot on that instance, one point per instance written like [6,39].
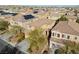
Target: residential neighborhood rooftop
[64,27]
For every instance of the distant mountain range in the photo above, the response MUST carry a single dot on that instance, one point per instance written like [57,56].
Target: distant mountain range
[21,6]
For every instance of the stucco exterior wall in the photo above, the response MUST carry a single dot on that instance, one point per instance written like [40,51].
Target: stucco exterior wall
[72,37]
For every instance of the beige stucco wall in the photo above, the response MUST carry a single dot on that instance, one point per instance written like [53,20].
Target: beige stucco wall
[72,37]
[55,43]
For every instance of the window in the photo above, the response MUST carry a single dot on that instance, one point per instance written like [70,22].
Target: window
[63,35]
[53,45]
[75,38]
[53,34]
[58,35]
[68,37]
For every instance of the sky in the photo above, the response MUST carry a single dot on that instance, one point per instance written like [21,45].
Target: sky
[39,2]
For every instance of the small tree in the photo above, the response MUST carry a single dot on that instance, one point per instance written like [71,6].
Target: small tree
[77,20]
[3,25]
[20,36]
[69,48]
[75,11]
[60,51]
[16,29]
[36,39]
[63,18]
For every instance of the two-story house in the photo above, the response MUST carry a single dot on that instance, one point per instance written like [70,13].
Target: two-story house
[65,30]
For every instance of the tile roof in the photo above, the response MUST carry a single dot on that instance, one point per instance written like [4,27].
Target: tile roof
[64,27]
[40,23]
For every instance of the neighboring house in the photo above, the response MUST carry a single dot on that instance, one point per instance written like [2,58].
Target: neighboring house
[78,14]
[71,18]
[71,13]
[54,16]
[22,19]
[64,30]
[18,21]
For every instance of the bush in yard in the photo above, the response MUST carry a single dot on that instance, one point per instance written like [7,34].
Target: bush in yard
[3,25]
[36,39]
[77,20]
